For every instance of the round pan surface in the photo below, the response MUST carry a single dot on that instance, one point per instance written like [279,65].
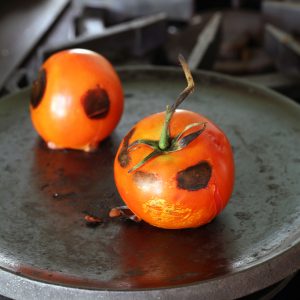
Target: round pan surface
[46,249]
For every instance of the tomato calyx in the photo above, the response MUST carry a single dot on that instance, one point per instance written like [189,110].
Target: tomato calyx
[166,144]
[177,143]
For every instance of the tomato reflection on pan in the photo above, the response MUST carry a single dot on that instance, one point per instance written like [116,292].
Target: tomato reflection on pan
[70,180]
[151,257]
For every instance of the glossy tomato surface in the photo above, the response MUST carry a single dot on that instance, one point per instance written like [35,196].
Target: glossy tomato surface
[77,100]
[181,189]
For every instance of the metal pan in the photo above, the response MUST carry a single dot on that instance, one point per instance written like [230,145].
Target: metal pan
[47,251]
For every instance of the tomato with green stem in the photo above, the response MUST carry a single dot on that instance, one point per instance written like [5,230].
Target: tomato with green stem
[175,169]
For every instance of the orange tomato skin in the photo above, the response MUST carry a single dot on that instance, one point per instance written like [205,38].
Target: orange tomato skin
[70,77]
[154,192]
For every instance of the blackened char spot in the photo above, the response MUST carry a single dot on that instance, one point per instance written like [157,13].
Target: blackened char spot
[123,157]
[38,88]
[195,177]
[96,103]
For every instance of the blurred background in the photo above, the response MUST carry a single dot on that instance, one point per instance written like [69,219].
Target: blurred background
[255,40]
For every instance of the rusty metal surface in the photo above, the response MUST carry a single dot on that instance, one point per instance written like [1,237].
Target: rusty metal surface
[22,25]
[206,47]
[284,49]
[176,10]
[47,251]
[137,36]
[284,15]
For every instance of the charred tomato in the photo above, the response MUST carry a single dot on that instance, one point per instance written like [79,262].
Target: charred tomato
[76,100]
[175,169]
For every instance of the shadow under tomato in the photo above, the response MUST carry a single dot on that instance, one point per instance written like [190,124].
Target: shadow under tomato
[74,180]
[151,257]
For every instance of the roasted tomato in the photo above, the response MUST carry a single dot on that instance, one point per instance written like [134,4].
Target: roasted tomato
[77,100]
[175,169]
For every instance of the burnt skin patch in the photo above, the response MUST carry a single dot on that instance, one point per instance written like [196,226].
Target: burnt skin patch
[123,157]
[38,88]
[96,103]
[195,177]
[145,180]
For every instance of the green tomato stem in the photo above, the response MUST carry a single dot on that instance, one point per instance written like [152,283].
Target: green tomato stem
[164,141]
[166,144]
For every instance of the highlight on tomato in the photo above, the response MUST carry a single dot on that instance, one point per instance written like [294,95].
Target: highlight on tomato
[175,169]
[77,100]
